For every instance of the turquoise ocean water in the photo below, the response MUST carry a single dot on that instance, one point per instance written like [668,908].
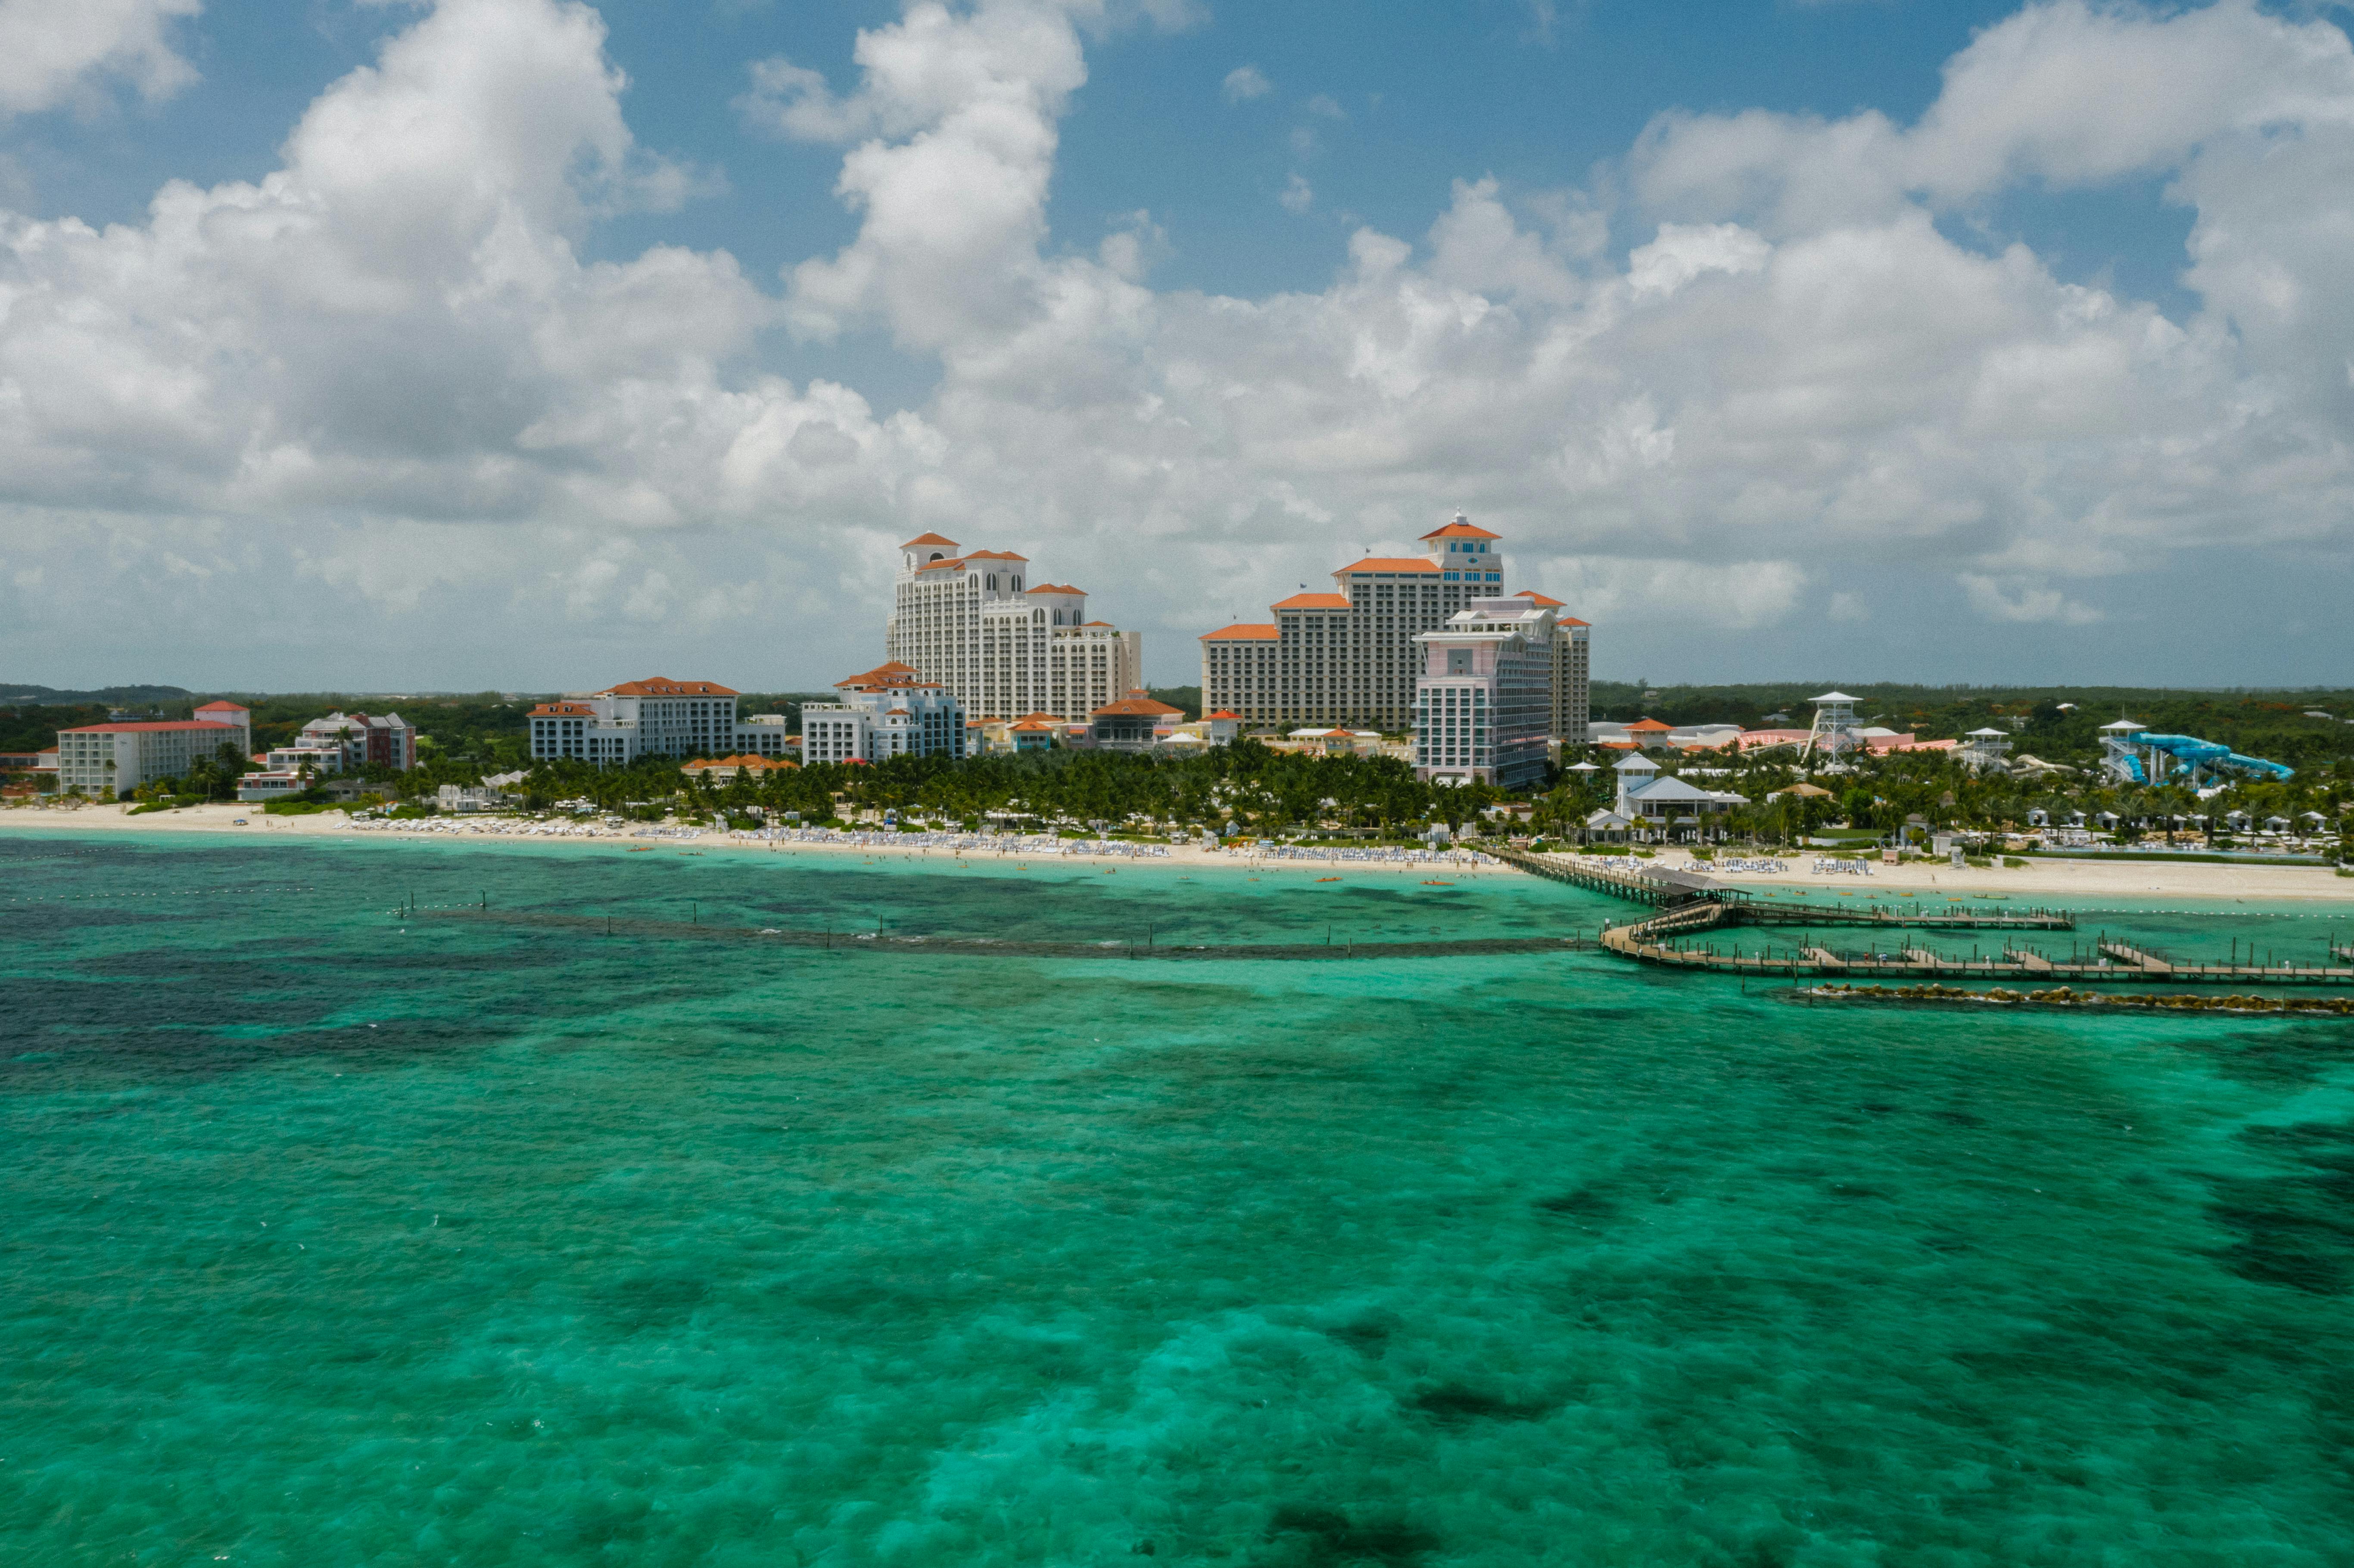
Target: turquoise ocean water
[337,1237]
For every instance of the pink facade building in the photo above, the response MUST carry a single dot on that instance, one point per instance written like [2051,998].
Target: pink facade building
[1483,695]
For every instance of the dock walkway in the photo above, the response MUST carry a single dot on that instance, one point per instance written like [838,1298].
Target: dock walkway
[1670,889]
[1691,906]
[1648,941]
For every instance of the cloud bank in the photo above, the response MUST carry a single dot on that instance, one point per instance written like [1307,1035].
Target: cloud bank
[378,394]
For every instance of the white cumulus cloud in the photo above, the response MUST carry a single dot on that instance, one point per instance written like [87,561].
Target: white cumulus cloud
[50,49]
[383,375]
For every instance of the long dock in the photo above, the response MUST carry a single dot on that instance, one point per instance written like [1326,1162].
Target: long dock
[1695,907]
[1662,888]
[1671,889]
[1653,941]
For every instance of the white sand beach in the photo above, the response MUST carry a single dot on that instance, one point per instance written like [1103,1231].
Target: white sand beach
[2137,880]
[251,822]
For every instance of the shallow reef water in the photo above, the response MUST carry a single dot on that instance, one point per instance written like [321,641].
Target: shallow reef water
[341,1231]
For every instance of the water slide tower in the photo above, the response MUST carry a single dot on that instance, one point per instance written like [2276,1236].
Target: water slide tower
[1834,728]
[2120,759]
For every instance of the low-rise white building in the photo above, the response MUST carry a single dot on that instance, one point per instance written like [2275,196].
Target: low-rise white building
[1648,800]
[482,796]
[886,712]
[654,717]
[338,744]
[109,760]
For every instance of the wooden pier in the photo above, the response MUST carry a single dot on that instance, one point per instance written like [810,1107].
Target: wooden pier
[1672,889]
[1662,887]
[1654,941]
[1694,906]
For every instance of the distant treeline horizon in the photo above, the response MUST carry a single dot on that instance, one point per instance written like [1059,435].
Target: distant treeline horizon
[2058,723]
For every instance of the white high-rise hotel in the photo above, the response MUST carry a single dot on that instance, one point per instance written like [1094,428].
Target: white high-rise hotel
[1350,658]
[967,622]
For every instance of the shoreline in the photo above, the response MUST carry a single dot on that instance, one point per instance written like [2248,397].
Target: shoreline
[333,827]
[2140,881]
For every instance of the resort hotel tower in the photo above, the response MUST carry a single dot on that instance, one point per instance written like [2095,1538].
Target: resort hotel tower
[971,622]
[1350,658]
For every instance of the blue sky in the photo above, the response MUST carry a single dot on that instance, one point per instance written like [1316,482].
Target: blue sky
[1430,93]
[1864,340]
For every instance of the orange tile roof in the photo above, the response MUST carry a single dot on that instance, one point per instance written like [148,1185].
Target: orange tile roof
[143,726]
[705,764]
[1138,706]
[1313,601]
[1460,529]
[564,710]
[1389,564]
[1040,717]
[1056,587]
[927,539]
[1105,624]
[1540,601]
[1649,726]
[663,686]
[222,708]
[965,560]
[1227,713]
[1241,632]
[891,672]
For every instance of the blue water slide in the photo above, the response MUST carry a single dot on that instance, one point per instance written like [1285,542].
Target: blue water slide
[2189,752]
[2259,766]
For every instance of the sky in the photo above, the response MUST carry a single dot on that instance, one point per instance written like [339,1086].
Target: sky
[358,345]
